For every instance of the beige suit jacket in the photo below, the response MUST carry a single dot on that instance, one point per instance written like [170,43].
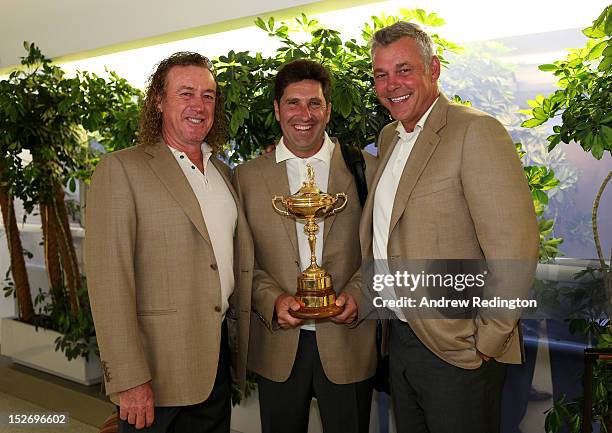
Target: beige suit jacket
[153,282]
[347,354]
[462,195]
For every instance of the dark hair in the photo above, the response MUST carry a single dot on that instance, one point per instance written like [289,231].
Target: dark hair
[298,70]
[151,118]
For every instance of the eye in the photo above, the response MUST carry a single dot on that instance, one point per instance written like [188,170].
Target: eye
[405,71]
[209,97]
[316,104]
[379,76]
[186,93]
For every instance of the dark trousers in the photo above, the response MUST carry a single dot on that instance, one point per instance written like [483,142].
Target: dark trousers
[210,416]
[284,406]
[432,396]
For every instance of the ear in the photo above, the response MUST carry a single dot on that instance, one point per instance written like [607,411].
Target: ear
[276,111]
[158,104]
[434,68]
[329,110]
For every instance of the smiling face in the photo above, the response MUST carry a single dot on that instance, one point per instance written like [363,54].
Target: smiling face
[303,115]
[403,84]
[187,106]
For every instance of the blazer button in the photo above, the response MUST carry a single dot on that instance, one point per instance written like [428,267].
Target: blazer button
[217,309]
[213,266]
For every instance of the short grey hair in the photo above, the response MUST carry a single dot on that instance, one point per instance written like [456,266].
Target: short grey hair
[387,35]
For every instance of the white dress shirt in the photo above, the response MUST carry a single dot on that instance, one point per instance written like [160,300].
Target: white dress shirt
[384,198]
[297,175]
[220,215]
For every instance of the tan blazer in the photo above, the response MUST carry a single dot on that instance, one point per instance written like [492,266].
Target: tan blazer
[462,195]
[348,355]
[153,282]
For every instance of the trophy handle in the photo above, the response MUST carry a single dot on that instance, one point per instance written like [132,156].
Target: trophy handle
[342,196]
[280,211]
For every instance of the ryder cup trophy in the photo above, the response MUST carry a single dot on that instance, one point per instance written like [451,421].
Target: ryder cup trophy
[315,291]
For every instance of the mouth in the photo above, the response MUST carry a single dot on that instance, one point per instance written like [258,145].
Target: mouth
[194,120]
[303,127]
[399,99]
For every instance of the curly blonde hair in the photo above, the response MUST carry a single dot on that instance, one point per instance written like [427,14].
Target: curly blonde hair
[150,124]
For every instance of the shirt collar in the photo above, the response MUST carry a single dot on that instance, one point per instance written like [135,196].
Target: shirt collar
[401,131]
[324,154]
[206,153]
[205,147]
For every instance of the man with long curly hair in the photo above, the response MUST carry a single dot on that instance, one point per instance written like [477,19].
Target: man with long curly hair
[169,289]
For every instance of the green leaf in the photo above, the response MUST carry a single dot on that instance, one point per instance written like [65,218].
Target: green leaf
[606,133]
[548,67]
[605,64]
[593,33]
[597,50]
[420,16]
[540,196]
[598,149]
[532,123]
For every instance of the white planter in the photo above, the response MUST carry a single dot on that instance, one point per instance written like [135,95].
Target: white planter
[36,349]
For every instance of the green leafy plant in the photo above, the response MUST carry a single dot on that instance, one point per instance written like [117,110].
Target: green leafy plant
[584,103]
[52,116]
[357,116]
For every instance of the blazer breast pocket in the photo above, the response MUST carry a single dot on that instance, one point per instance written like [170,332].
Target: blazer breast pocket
[427,188]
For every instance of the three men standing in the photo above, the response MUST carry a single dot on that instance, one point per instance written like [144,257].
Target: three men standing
[449,186]
[165,232]
[296,360]
[162,219]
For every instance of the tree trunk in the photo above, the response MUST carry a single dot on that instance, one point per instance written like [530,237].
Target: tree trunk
[18,266]
[607,275]
[66,244]
[52,254]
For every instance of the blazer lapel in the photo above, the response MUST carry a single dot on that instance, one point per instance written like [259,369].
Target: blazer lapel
[275,177]
[423,148]
[170,174]
[339,180]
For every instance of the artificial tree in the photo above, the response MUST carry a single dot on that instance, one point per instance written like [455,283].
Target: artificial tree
[52,116]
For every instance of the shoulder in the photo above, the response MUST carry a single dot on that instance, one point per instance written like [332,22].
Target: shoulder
[461,114]
[387,133]
[255,165]
[126,157]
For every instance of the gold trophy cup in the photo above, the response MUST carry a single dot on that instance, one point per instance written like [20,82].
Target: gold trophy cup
[315,291]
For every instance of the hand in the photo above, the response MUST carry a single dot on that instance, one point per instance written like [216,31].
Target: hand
[484,357]
[285,303]
[350,309]
[269,149]
[136,405]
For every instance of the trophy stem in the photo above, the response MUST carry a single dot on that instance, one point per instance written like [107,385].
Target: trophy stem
[311,229]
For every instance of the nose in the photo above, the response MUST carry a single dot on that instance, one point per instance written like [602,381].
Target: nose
[197,104]
[392,82]
[304,111]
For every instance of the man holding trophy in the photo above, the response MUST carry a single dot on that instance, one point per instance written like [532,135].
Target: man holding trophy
[301,204]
